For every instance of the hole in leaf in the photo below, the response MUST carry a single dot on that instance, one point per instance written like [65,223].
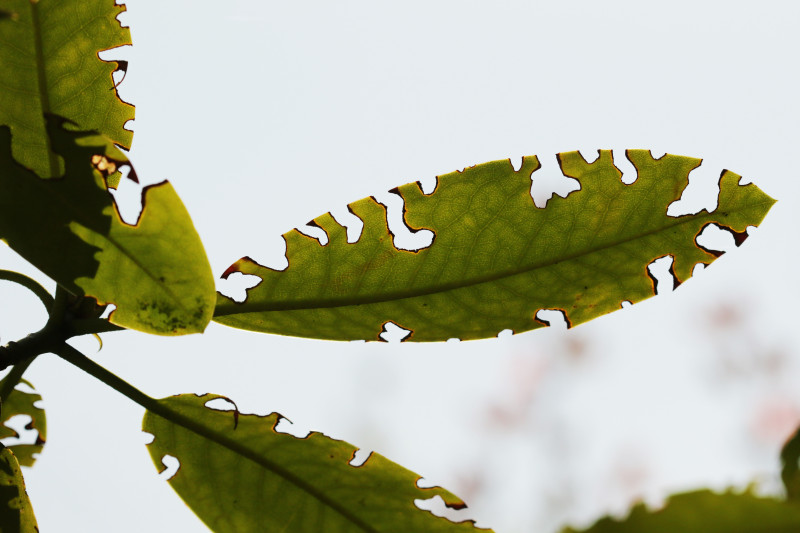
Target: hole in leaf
[453,340]
[624,165]
[716,240]
[702,192]
[516,163]
[350,222]
[505,334]
[108,310]
[360,457]
[657,154]
[128,198]
[236,285]
[544,184]
[221,404]
[394,333]
[147,438]
[22,425]
[553,318]
[315,232]
[128,125]
[171,466]
[288,427]
[24,387]
[662,275]
[699,267]
[438,507]
[403,238]
[625,304]
[590,156]
[428,185]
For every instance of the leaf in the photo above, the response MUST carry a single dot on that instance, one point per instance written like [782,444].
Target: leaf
[155,272]
[48,49]
[16,513]
[22,403]
[790,473]
[704,511]
[239,475]
[496,258]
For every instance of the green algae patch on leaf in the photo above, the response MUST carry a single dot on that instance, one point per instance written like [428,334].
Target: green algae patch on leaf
[704,511]
[16,512]
[496,258]
[238,474]
[155,271]
[21,402]
[49,53]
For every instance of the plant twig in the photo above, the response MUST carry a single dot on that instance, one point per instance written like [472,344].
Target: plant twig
[30,284]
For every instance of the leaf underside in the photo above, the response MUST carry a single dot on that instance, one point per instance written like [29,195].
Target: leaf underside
[155,272]
[48,50]
[706,512]
[22,403]
[16,513]
[246,477]
[496,258]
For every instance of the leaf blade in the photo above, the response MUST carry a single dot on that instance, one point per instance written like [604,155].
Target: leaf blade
[49,51]
[705,511]
[244,476]
[69,228]
[16,512]
[496,259]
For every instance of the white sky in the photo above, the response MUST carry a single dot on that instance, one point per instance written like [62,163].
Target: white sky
[266,114]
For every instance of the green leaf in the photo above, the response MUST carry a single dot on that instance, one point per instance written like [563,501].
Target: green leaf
[496,258]
[790,473]
[155,272]
[16,513]
[48,50]
[706,512]
[239,475]
[22,403]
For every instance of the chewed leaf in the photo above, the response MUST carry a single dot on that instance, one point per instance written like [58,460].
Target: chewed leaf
[49,52]
[496,258]
[16,513]
[155,272]
[21,402]
[238,474]
[705,512]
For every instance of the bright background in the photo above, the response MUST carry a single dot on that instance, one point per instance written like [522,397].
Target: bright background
[267,114]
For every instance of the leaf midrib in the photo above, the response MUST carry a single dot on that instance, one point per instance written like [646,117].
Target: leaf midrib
[236,308]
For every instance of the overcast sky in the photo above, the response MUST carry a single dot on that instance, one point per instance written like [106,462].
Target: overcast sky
[266,114]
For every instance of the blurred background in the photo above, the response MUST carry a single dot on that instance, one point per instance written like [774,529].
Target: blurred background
[266,114]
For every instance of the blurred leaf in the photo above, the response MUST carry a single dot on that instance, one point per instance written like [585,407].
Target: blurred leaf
[239,475]
[22,403]
[16,513]
[790,458]
[155,272]
[496,259]
[706,512]
[48,50]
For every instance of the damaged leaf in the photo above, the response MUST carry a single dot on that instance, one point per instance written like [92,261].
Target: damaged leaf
[155,272]
[16,513]
[49,54]
[704,511]
[496,259]
[22,403]
[239,475]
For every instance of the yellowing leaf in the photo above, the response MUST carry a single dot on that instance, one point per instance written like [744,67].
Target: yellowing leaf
[16,513]
[155,272]
[239,475]
[496,259]
[49,56]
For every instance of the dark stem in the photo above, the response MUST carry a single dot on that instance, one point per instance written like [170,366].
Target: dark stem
[30,284]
